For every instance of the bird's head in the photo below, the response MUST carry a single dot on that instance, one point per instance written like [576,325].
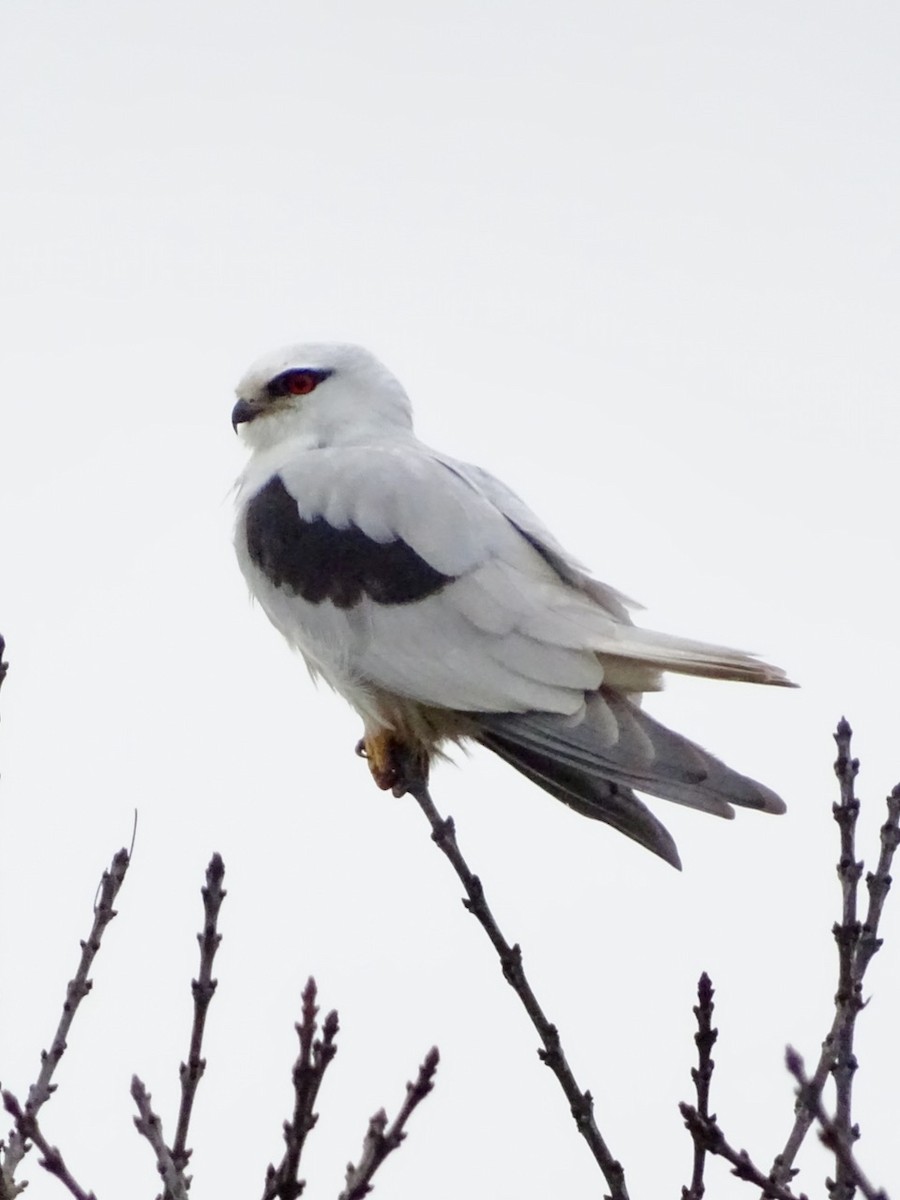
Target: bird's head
[330,394]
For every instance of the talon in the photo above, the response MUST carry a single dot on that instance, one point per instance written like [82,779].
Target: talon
[394,765]
[382,752]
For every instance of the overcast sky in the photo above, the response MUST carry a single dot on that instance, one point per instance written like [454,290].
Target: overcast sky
[641,261]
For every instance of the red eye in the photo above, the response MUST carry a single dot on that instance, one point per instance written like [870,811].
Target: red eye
[299,382]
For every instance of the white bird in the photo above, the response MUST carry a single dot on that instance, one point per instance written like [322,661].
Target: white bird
[433,600]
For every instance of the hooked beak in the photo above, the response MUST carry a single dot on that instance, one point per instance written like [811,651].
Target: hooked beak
[244,411]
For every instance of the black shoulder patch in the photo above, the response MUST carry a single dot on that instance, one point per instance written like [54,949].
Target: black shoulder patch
[314,560]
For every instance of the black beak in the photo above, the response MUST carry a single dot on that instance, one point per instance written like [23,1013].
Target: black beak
[243,411]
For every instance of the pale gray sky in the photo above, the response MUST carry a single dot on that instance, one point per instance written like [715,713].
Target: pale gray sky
[639,260]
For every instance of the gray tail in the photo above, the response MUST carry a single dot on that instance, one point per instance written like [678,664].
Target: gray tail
[593,764]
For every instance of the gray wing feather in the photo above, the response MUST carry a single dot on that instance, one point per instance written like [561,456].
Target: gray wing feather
[539,537]
[520,626]
[589,795]
[660,650]
[614,743]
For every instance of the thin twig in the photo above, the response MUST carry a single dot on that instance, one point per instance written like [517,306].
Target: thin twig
[203,989]
[707,1130]
[845,815]
[830,1132]
[51,1160]
[705,1038]
[381,1139]
[149,1126]
[857,943]
[581,1103]
[282,1182]
[878,883]
[78,987]
[847,934]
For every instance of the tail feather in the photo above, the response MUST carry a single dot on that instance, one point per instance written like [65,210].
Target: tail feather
[686,656]
[593,763]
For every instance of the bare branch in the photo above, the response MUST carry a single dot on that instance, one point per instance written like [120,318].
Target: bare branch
[857,944]
[706,1130]
[149,1126]
[782,1168]
[282,1182]
[78,987]
[878,883]
[581,1103]
[705,1039]
[849,994]
[381,1139]
[203,989]
[52,1161]
[831,1134]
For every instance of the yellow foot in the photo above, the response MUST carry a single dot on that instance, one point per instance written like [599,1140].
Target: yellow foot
[395,765]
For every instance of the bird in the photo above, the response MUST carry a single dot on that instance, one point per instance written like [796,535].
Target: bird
[429,596]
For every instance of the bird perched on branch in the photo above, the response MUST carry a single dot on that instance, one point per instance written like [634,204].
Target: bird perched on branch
[435,602]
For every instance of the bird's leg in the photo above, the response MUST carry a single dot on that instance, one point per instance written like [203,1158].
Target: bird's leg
[395,765]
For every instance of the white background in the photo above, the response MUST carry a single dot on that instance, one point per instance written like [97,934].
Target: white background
[642,262]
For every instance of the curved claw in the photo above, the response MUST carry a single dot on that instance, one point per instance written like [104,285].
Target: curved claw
[394,765]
